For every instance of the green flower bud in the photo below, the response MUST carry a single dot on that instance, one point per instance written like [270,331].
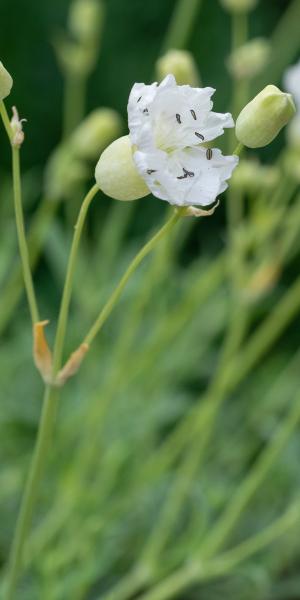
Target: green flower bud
[85,19]
[249,60]
[239,6]
[6,82]
[116,174]
[95,132]
[182,65]
[262,119]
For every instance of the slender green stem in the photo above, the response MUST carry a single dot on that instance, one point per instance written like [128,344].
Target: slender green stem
[5,120]
[219,533]
[182,21]
[48,413]
[129,585]
[107,309]
[28,282]
[31,488]
[239,149]
[261,539]
[22,237]
[197,570]
[66,297]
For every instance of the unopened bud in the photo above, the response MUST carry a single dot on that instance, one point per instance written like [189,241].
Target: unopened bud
[249,60]
[261,120]
[116,174]
[239,6]
[6,82]
[85,19]
[182,65]
[98,129]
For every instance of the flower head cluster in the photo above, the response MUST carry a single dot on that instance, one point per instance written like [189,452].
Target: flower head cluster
[170,129]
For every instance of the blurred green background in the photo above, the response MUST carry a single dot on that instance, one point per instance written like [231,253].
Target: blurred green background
[142,467]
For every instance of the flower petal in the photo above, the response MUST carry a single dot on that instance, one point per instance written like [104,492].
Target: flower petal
[186,177]
[168,125]
[292,82]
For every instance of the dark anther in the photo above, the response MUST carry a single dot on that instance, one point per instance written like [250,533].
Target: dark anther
[139,98]
[146,110]
[209,153]
[199,135]
[186,174]
[150,171]
[178,118]
[193,114]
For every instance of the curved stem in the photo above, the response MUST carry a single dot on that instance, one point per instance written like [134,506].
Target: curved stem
[65,303]
[107,309]
[238,149]
[31,488]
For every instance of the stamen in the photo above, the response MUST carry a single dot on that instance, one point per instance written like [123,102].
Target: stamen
[150,171]
[178,118]
[209,153]
[186,174]
[193,115]
[139,98]
[199,135]
[146,110]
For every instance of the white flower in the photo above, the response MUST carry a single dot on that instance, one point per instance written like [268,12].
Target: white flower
[170,126]
[292,82]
